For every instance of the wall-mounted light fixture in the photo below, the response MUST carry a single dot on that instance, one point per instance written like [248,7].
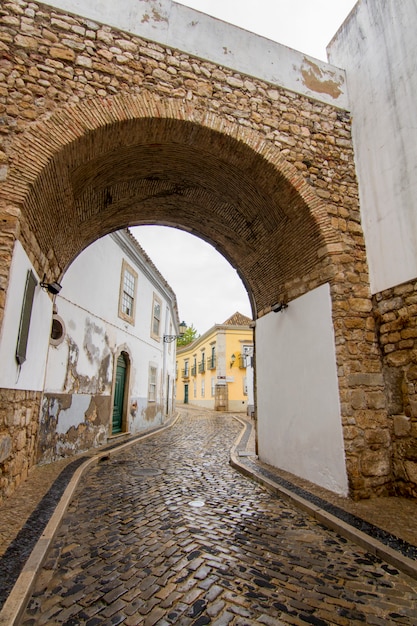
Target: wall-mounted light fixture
[53,288]
[232,360]
[169,338]
[279,306]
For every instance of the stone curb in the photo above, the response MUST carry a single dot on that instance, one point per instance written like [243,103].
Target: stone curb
[18,598]
[389,555]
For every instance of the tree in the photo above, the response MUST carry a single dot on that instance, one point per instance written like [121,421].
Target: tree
[188,337]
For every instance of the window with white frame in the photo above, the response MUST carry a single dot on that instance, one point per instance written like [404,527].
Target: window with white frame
[195,389]
[203,387]
[247,351]
[152,383]
[213,386]
[127,297]
[156,317]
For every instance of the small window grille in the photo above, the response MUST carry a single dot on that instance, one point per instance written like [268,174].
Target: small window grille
[57,331]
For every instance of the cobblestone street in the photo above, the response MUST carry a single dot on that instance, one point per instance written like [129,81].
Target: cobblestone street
[167,532]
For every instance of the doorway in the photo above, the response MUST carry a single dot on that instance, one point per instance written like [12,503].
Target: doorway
[185,394]
[119,395]
[221,398]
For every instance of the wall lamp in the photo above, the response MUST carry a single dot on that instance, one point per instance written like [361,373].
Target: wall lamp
[232,360]
[169,338]
[279,306]
[53,288]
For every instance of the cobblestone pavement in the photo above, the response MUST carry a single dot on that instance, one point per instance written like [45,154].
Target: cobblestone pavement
[167,532]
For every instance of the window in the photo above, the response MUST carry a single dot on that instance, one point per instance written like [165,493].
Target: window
[213,386]
[195,389]
[22,340]
[202,364]
[245,359]
[127,299]
[211,361]
[152,384]
[203,387]
[156,317]
[57,331]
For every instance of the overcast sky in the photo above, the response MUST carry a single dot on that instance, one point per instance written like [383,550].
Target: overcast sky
[208,289]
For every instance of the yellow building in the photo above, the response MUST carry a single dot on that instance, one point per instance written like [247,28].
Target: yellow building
[215,371]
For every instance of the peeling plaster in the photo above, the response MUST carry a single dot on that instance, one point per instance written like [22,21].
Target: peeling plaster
[71,424]
[89,370]
[313,78]
[151,412]
[73,415]
[154,16]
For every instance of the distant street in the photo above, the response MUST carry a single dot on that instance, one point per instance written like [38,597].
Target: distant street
[167,532]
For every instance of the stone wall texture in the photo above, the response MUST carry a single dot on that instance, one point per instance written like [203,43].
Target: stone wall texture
[396,315]
[19,412]
[101,129]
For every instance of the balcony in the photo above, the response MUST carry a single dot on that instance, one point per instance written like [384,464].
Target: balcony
[202,367]
[211,363]
[242,362]
[186,373]
[194,370]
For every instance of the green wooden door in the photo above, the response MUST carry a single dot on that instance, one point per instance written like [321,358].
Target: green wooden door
[185,394]
[119,394]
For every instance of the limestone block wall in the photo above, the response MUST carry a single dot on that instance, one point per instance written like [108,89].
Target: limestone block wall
[19,410]
[396,315]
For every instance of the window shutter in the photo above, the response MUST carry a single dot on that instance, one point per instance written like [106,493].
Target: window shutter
[22,340]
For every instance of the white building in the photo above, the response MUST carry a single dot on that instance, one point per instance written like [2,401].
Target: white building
[377,46]
[109,370]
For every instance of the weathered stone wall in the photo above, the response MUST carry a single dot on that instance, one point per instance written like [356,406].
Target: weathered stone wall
[72,88]
[19,412]
[396,315]
[9,231]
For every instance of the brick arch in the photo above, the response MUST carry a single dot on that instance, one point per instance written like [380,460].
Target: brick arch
[105,164]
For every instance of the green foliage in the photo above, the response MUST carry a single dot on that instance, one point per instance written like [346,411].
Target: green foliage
[188,337]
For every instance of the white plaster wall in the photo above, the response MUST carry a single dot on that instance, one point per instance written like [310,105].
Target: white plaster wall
[174,25]
[377,46]
[32,372]
[299,422]
[88,305]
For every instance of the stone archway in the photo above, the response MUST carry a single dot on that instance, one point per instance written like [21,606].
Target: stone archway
[100,166]
[105,164]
